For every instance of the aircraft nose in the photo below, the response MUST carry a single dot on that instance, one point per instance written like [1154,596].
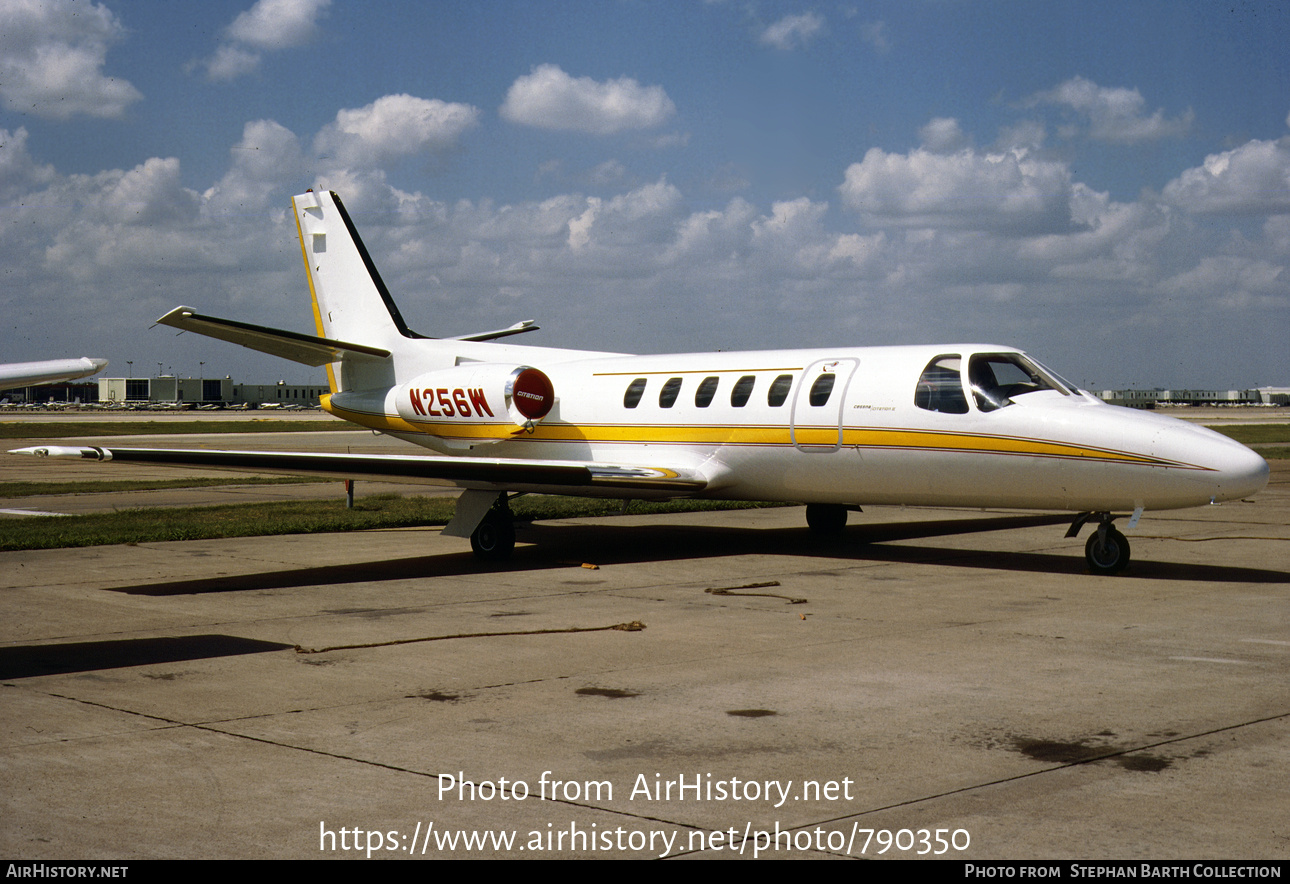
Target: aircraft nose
[1220,468]
[1241,472]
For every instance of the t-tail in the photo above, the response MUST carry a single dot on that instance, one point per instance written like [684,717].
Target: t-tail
[349,298]
[361,336]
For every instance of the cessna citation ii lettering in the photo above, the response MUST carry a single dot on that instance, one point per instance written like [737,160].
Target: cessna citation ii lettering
[959,425]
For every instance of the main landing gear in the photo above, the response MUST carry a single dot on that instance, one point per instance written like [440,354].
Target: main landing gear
[494,538]
[826,520]
[1107,550]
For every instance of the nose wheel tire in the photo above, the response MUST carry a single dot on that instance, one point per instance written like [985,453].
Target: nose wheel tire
[1107,551]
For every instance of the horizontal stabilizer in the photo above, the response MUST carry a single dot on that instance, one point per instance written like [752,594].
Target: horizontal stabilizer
[541,476]
[302,348]
[518,328]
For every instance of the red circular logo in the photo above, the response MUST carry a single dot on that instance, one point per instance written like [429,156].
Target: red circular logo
[532,394]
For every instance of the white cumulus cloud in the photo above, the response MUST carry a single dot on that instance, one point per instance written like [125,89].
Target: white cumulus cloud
[1252,179]
[230,62]
[277,24]
[942,135]
[648,214]
[394,126]
[793,31]
[1010,190]
[52,55]
[267,26]
[18,171]
[551,99]
[268,155]
[1117,115]
[150,193]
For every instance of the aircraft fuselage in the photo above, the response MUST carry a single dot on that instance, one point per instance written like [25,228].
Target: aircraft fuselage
[867,442]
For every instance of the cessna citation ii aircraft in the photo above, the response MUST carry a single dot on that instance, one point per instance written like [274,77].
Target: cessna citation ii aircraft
[959,425]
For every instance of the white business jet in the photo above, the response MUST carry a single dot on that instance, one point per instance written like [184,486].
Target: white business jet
[958,425]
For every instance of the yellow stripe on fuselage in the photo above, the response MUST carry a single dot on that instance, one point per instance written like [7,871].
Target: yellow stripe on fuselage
[749,435]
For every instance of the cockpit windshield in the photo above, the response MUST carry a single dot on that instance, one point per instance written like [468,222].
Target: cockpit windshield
[995,379]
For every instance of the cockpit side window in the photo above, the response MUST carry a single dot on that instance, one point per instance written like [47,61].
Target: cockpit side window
[997,378]
[940,387]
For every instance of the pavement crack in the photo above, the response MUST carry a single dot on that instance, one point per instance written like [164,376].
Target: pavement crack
[734,591]
[632,626]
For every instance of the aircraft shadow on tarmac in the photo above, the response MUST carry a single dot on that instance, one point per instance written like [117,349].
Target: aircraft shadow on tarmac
[26,661]
[559,546]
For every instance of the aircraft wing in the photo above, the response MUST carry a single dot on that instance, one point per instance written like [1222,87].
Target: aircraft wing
[499,474]
[21,374]
[302,348]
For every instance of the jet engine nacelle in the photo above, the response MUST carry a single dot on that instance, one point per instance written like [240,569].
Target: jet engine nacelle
[478,393]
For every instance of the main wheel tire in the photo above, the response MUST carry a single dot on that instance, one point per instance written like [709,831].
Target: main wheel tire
[494,539]
[826,519]
[1107,552]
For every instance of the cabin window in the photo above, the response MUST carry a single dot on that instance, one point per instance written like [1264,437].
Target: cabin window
[667,395]
[742,390]
[635,390]
[996,378]
[940,387]
[779,390]
[821,389]
[707,389]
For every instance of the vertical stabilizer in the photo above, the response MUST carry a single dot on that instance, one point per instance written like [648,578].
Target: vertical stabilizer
[350,301]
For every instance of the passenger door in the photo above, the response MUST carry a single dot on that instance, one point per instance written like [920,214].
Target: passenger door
[815,426]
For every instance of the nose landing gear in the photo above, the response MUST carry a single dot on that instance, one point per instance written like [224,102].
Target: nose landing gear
[1107,550]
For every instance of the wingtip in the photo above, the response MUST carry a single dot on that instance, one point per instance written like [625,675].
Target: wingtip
[63,451]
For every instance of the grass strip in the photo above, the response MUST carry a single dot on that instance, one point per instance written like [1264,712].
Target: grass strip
[297,517]
[1254,434]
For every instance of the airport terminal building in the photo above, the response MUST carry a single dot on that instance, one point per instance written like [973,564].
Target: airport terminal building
[169,392]
[207,391]
[1155,397]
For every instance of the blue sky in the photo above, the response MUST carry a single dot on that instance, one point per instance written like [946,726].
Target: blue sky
[1106,185]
